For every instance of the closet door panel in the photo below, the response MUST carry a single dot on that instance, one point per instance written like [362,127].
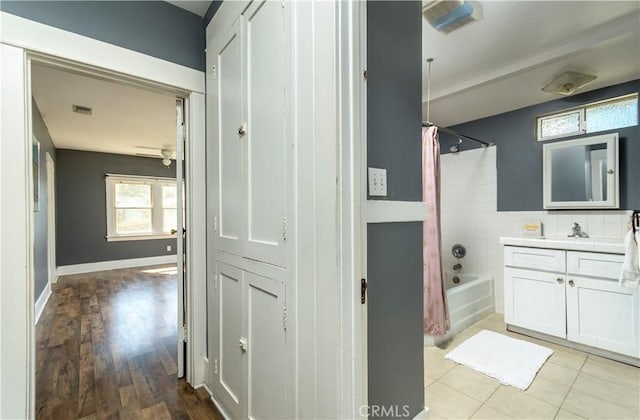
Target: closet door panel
[231,382]
[266,388]
[266,168]
[228,114]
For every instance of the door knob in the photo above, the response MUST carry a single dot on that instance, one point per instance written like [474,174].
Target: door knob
[571,283]
[242,344]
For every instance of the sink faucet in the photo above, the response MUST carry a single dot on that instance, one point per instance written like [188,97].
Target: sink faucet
[576,232]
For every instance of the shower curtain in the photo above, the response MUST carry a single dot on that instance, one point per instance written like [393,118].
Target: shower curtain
[436,313]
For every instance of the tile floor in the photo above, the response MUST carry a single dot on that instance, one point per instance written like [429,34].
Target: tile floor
[571,385]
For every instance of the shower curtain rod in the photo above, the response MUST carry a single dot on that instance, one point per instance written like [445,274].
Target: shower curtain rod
[457,134]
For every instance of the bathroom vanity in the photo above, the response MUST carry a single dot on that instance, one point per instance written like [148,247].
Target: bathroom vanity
[566,290]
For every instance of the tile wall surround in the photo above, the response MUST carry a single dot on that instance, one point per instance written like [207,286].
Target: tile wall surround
[469,216]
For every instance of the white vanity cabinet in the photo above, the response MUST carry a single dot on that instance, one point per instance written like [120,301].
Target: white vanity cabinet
[572,295]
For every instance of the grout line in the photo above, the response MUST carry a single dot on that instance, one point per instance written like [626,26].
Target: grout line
[485,402]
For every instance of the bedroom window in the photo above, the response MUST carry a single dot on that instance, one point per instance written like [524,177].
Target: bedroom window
[140,208]
[605,115]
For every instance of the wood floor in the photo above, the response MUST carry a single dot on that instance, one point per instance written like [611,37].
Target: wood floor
[106,348]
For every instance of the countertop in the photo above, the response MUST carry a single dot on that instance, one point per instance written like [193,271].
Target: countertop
[606,245]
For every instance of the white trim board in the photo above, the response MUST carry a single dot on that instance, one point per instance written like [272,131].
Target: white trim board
[383,211]
[42,302]
[41,38]
[66,270]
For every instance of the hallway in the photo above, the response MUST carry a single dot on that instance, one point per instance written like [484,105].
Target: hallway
[106,347]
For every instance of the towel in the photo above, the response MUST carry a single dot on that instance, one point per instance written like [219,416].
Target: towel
[630,276]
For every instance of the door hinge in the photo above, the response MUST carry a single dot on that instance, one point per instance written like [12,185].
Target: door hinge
[284,318]
[214,72]
[284,229]
[215,366]
[215,223]
[363,291]
[364,74]
[215,281]
[184,333]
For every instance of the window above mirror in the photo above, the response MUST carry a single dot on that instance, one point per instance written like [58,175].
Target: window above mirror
[599,116]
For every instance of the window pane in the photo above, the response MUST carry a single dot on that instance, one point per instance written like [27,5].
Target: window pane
[133,195]
[169,198]
[170,220]
[130,221]
[560,125]
[609,116]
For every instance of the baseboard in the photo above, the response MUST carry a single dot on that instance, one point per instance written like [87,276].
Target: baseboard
[423,414]
[219,406]
[386,211]
[41,302]
[65,270]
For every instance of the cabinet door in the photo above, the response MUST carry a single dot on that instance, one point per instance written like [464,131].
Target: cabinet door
[226,113]
[535,300]
[266,364]
[230,380]
[602,314]
[267,159]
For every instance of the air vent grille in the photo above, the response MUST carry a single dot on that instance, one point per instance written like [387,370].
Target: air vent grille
[82,109]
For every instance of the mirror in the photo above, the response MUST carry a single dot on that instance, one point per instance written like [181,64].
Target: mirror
[581,173]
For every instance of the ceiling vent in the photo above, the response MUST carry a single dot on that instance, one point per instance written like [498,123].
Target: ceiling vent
[85,110]
[568,83]
[447,16]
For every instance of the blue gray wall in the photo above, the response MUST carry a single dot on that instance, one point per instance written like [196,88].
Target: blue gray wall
[155,28]
[394,86]
[519,155]
[41,221]
[81,208]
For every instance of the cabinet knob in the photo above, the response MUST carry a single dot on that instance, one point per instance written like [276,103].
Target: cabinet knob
[571,283]
[242,130]
[242,344]
[560,280]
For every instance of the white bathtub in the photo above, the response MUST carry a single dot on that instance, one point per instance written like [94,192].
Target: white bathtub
[469,301]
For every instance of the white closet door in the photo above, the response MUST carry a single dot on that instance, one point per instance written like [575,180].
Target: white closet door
[227,112]
[265,327]
[267,163]
[231,355]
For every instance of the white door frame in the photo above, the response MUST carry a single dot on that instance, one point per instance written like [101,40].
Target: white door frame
[21,40]
[51,219]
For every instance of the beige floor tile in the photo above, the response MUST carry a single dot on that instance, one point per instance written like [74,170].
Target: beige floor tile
[608,391]
[469,382]
[588,406]
[558,374]
[449,403]
[435,365]
[427,381]
[566,415]
[548,391]
[618,373]
[519,405]
[569,360]
[487,413]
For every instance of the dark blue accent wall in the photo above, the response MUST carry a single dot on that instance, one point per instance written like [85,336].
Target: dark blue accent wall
[155,28]
[519,154]
[81,207]
[395,342]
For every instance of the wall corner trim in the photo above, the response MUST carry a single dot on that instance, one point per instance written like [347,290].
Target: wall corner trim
[115,264]
[383,211]
[42,302]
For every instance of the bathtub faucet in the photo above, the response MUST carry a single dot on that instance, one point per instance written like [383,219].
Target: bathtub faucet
[457,267]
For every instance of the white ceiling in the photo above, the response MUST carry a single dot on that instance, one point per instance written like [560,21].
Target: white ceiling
[197,7]
[501,62]
[126,119]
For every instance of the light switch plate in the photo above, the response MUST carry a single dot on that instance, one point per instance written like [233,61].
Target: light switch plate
[377,182]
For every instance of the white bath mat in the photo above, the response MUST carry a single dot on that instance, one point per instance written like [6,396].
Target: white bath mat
[511,361]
